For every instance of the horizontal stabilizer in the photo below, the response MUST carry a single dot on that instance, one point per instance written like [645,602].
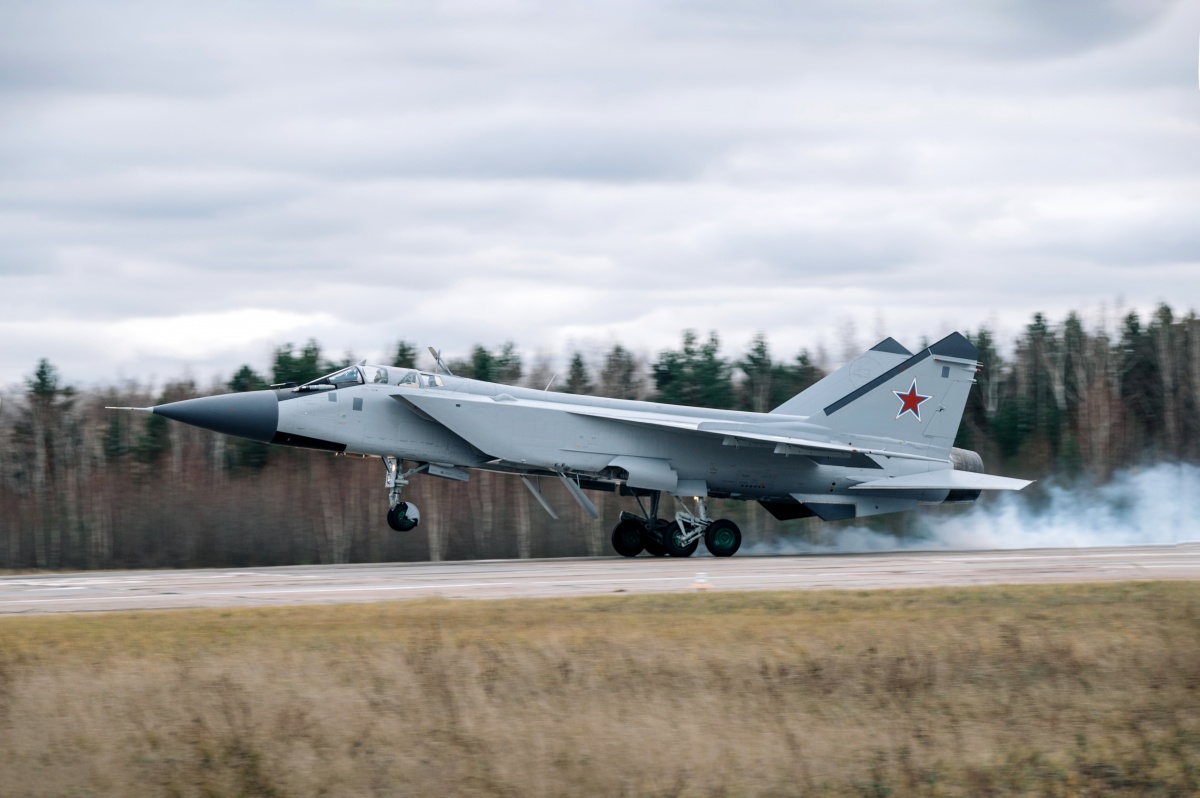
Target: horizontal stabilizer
[944,479]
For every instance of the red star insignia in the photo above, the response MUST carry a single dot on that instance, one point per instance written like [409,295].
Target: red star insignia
[910,402]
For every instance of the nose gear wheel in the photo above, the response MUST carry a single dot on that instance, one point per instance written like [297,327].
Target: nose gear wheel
[404,517]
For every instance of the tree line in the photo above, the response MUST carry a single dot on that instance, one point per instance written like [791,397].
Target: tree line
[82,487]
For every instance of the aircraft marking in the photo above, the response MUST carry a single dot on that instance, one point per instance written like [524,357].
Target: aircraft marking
[910,402]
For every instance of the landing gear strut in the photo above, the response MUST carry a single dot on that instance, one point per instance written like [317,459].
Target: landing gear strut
[678,538]
[683,537]
[402,516]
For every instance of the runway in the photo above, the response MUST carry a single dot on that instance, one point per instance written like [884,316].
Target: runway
[327,584]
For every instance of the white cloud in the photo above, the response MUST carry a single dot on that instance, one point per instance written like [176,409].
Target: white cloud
[149,344]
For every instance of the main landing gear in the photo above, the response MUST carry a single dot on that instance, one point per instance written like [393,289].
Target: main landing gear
[634,534]
[402,516]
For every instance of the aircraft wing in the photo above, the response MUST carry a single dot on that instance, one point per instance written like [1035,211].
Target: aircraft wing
[944,479]
[785,444]
[437,405]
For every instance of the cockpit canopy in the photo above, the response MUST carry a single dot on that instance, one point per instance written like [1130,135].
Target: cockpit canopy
[378,375]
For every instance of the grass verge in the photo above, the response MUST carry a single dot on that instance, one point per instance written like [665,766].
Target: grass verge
[1056,690]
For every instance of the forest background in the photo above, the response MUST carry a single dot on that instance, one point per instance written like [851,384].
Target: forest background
[82,487]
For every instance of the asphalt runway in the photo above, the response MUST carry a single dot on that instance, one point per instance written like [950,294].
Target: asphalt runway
[328,584]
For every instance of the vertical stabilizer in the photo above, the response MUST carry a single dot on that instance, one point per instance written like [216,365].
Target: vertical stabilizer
[920,399]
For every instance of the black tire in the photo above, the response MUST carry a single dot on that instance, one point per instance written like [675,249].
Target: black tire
[722,538]
[651,543]
[671,537]
[627,538]
[398,518]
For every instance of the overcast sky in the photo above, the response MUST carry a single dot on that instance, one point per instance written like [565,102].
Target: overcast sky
[184,186]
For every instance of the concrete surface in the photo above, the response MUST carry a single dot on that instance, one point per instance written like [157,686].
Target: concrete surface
[325,584]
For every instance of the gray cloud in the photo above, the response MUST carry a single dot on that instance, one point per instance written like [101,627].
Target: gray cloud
[553,173]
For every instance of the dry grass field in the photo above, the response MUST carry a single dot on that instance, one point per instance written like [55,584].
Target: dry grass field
[1065,690]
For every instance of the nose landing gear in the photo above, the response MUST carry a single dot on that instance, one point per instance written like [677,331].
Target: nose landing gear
[402,516]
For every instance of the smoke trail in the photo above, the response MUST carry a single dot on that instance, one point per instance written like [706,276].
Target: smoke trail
[1159,504]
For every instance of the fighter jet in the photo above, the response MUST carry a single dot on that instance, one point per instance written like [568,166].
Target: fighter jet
[875,436]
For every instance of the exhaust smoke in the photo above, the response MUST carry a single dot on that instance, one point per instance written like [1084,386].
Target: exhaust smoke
[1158,504]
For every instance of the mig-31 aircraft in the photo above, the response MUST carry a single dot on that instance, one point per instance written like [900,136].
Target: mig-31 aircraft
[875,436]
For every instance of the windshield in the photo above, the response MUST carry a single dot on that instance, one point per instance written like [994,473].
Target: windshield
[375,374]
[338,379]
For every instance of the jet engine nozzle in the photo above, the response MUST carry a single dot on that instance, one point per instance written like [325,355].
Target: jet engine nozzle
[964,460]
[253,414]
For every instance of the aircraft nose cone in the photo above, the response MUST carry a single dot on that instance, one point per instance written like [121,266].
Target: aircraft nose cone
[253,415]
